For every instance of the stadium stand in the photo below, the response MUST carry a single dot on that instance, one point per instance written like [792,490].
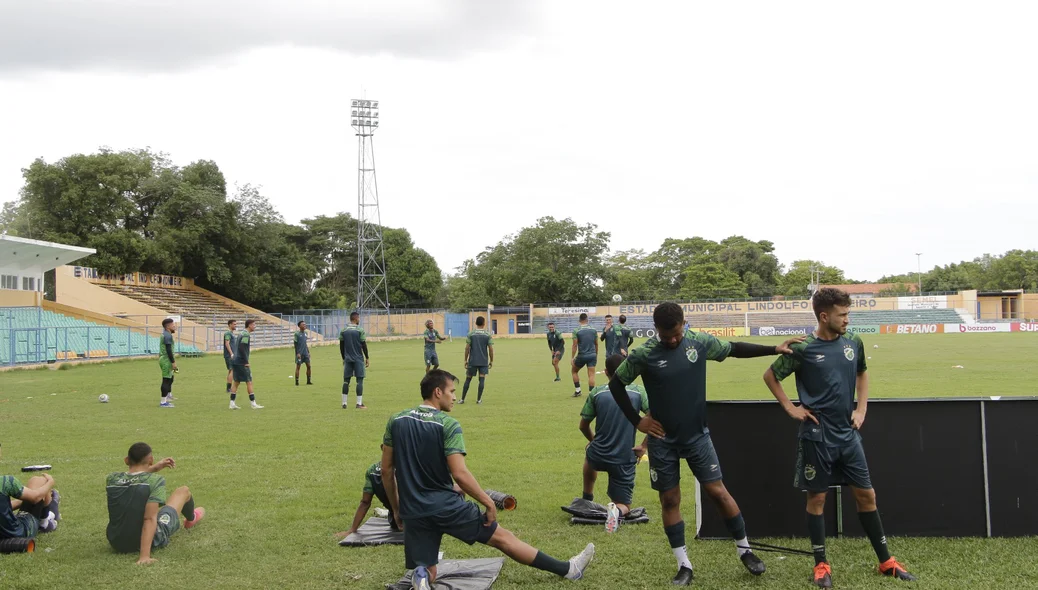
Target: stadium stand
[32,334]
[906,316]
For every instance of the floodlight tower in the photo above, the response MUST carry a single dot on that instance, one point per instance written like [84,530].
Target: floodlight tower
[372,290]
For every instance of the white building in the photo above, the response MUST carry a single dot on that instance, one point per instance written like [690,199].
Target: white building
[23,263]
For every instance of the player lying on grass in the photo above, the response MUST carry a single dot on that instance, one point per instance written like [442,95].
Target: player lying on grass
[140,515]
[672,366]
[29,509]
[830,367]
[424,452]
[610,449]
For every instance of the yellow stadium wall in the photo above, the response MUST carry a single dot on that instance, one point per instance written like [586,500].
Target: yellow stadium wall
[12,298]
[132,279]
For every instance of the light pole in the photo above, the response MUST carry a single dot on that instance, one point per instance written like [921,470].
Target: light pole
[919,271]
[372,288]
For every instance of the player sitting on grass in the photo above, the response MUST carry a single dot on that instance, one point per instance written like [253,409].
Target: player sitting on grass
[140,516]
[36,505]
[829,367]
[610,447]
[424,452]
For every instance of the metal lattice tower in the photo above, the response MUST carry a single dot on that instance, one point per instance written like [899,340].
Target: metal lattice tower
[372,290]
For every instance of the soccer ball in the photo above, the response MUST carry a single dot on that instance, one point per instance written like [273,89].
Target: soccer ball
[617,298]
[103,398]
[875,346]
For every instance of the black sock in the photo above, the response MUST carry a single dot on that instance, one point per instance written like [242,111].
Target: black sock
[874,529]
[675,534]
[816,530]
[548,563]
[589,497]
[482,382]
[252,397]
[736,526]
[465,390]
[189,509]
[228,388]
[346,388]
[233,395]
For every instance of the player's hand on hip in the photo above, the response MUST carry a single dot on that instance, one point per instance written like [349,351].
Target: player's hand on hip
[857,418]
[491,514]
[800,414]
[786,347]
[639,452]
[650,426]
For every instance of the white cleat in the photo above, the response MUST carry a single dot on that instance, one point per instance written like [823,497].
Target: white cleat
[579,563]
[613,518]
[234,406]
[256,406]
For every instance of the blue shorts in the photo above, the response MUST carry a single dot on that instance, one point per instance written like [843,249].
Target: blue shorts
[351,369]
[303,359]
[665,462]
[432,359]
[168,523]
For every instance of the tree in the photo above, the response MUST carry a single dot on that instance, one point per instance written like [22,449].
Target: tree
[797,280]
[632,275]
[711,280]
[753,262]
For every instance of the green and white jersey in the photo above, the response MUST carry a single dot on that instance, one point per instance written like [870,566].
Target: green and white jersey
[479,342]
[242,349]
[350,340]
[373,483]
[301,345]
[614,433]
[228,342]
[166,347]
[826,375]
[128,496]
[585,337]
[675,381]
[422,438]
[431,338]
[10,526]
[612,340]
[625,337]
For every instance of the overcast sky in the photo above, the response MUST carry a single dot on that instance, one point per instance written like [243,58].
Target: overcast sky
[854,133]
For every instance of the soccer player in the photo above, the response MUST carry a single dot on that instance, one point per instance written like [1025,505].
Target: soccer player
[242,369]
[302,352]
[611,447]
[830,366]
[626,338]
[422,458]
[166,362]
[672,366]
[584,354]
[36,503]
[432,337]
[373,488]
[611,336]
[228,350]
[479,357]
[141,517]
[353,347]
[557,346]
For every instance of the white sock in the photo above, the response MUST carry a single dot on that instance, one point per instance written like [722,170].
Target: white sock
[165,399]
[360,400]
[679,552]
[345,399]
[742,546]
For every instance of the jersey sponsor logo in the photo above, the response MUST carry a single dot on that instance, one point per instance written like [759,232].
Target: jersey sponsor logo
[692,354]
[713,468]
[819,358]
[809,472]
[662,363]
[848,352]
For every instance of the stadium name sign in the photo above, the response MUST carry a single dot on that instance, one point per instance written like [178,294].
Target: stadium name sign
[745,306]
[571,310]
[132,278]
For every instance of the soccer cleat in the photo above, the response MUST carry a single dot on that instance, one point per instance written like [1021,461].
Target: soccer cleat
[580,562]
[256,406]
[479,401]
[420,579]
[823,575]
[753,564]
[49,523]
[309,383]
[199,515]
[345,407]
[166,405]
[557,379]
[297,384]
[461,401]
[361,407]
[234,406]
[576,394]
[381,512]
[613,520]
[683,577]
[894,569]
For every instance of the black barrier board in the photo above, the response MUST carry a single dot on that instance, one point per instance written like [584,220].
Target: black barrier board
[1012,446]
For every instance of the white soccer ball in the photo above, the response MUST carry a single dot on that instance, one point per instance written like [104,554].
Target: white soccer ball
[617,298]
[875,346]
[103,398]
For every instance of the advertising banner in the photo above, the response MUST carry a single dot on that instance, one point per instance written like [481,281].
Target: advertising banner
[1024,327]
[863,329]
[718,332]
[571,310]
[932,302]
[912,329]
[976,328]
[781,331]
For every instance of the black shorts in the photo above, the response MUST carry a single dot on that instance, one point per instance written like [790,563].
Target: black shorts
[585,361]
[819,467]
[621,479]
[227,361]
[422,536]
[471,371]
[665,462]
[556,354]
[241,374]
[432,359]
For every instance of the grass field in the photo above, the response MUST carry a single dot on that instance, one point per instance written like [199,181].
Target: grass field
[280,482]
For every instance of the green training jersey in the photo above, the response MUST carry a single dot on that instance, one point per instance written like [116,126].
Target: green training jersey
[166,348]
[431,338]
[302,347]
[614,433]
[826,375]
[350,343]
[625,338]
[241,353]
[612,340]
[128,496]
[479,342]
[10,526]
[675,380]
[422,438]
[556,342]
[228,344]
[373,483]
[585,337]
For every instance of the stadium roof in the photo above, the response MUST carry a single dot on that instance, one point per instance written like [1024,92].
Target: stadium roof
[23,253]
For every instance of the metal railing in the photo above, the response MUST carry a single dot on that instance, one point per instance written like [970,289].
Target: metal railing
[55,344]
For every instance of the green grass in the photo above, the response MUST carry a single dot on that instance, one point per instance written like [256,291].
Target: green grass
[280,482]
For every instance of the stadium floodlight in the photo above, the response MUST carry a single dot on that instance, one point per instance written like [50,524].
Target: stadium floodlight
[372,288]
[365,113]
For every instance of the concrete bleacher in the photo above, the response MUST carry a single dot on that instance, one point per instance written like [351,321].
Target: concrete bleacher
[906,316]
[39,335]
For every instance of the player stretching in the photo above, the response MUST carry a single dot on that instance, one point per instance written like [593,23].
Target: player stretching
[373,488]
[432,337]
[611,337]
[585,354]
[479,357]
[353,347]
[302,352]
[610,447]
[557,346]
[228,350]
[424,453]
[672,366]
[166,362]
[242,369]
[626,339]
[829,367]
